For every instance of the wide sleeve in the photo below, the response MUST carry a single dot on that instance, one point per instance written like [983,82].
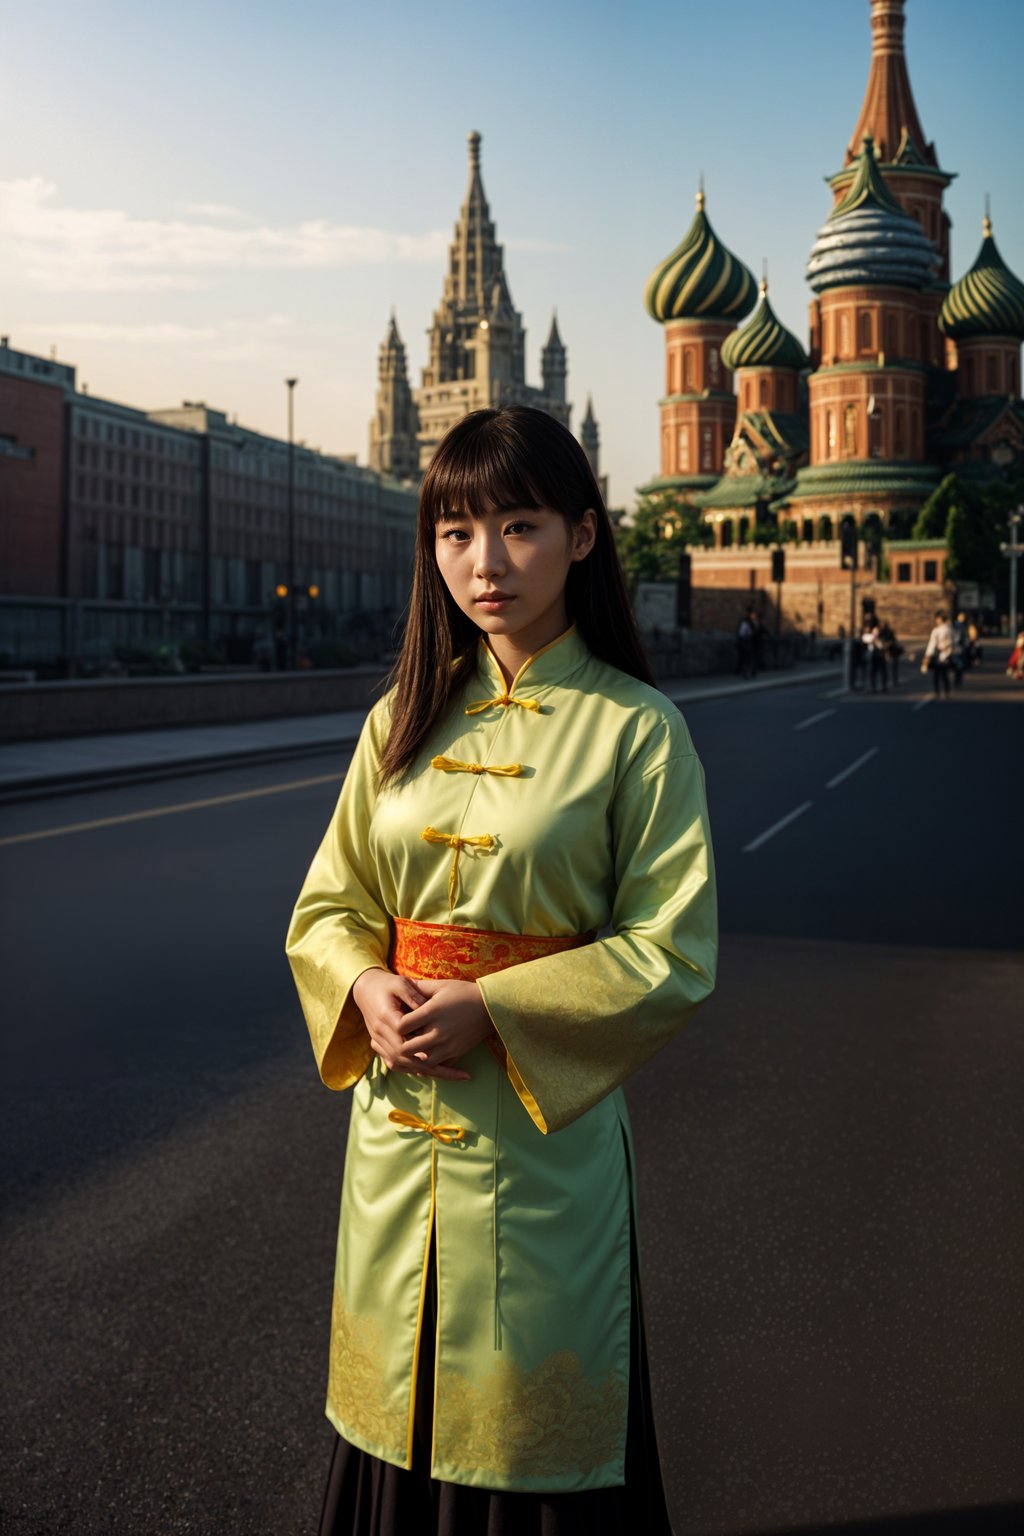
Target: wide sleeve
[576,1024]
[339,927]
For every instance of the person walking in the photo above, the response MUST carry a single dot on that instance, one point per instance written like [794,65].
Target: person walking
[938,655]
[874,652]
[745,646]
[961,647]
[892,650]
[512,908]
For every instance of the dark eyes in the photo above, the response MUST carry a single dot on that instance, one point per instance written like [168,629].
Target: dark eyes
[460,535]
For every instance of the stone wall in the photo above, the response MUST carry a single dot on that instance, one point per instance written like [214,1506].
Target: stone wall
[910,610]
[34,711]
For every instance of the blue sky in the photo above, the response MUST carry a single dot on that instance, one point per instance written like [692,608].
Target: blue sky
[200,199]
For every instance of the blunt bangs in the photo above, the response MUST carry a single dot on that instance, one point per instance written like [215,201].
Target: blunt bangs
[501,461]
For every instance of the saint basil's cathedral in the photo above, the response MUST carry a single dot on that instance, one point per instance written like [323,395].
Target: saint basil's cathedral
[905,378]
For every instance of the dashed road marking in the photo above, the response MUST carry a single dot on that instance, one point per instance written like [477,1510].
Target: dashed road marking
[864,758]
[167,810]
[822,714]
[750,847]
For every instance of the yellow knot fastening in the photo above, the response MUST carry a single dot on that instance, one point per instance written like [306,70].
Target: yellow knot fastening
[504,699]
[445,1133]
[431,835]
[455,765]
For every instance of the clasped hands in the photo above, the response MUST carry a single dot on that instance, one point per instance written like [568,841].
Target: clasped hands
[422,1027]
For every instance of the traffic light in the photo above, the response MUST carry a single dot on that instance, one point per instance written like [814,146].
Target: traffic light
[778,565]
[848,544]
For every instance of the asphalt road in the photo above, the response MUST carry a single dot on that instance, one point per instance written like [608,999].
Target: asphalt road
[830,1157]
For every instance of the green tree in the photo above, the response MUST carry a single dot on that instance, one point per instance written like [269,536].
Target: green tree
[663,524]
[934,515]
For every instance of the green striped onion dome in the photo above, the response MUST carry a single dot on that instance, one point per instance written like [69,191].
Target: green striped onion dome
[988,300]
[700,280]
[868,238]
[763,342]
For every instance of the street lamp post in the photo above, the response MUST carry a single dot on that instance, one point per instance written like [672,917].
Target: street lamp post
[1013,552]
[292,630]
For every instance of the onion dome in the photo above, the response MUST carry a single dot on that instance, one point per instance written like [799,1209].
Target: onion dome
[988,300]
[763,342]
[868,238]
[701,280]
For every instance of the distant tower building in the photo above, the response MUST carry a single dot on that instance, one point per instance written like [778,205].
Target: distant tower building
[477,343]
[393,447]
[984,315]
[697,293]
[553,365]
[590,438]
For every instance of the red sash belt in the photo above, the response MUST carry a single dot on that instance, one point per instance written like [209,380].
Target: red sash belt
[445,953]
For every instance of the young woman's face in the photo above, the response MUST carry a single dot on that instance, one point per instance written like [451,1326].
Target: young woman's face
[507,570]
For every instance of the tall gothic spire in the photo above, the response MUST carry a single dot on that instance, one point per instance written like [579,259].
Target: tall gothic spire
[475,266]
[888,113]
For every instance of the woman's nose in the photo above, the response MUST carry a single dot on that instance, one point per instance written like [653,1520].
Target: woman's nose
[490,554]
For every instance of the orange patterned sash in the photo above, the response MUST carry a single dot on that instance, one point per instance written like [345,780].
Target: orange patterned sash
[445,953]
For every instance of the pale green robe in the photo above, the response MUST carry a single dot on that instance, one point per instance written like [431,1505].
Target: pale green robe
[606,827]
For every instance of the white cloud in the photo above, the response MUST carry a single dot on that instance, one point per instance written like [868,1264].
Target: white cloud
[105,250]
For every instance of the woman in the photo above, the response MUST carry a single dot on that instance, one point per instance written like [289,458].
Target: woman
[521,787]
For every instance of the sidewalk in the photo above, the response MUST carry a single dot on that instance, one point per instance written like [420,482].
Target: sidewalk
[32,770]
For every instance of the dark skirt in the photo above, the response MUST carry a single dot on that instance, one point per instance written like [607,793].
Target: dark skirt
[368,1497]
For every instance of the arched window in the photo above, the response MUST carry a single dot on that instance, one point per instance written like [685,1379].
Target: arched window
[706,449]
[726,533]
[830,434]
[763,388]
[865,331]
[675,382]
[807,531]
[713,363]
[850,431]
[825,529]
[684,449]
[892,344]
[844,335]
[992,373]
[744,529]
[689,369]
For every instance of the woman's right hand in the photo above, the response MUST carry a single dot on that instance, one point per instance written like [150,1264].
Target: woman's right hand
[384,999]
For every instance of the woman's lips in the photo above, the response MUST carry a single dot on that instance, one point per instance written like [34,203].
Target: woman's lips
[493,600]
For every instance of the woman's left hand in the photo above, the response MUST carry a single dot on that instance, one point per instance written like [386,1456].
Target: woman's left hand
[448,1025]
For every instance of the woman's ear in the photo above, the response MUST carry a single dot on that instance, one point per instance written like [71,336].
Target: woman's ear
[584,534]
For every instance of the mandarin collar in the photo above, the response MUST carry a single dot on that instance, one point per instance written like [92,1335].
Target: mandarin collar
[551,664]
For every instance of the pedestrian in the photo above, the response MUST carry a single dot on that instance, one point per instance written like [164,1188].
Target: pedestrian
[745,645]
[961,645]
[1015,665]
[974,642]
[521,787]
[938,655]
[892,650]
[874,651]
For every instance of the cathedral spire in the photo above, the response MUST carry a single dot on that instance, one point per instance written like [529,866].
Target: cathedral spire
[394,449]
[554,364]
[888,113]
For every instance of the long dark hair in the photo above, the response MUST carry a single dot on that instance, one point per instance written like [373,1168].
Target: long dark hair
[513,458]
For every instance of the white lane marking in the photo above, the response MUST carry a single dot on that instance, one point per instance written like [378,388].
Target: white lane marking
[922,702]
[778,826]
[167,810]
[866,757]
[822,714]
[835,693]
